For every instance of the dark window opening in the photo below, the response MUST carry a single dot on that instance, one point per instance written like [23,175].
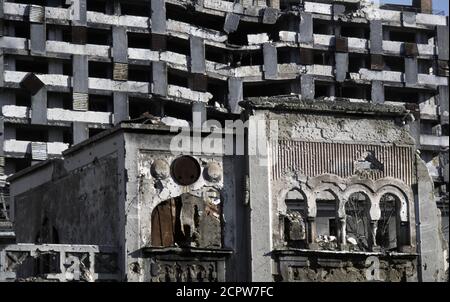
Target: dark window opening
[322,28]
[266,89]
[322,57]
[59,33]
[190,16]
[356,62]
[323,89]
[96,6]
[177,78]
[138,40]
[425,66]
[359,31]
[217,55]
[20,163]
[23,98]
[31,133]
[100,103]
[19,29]
[67,136]
[394,64]
[59,100]
[386,236]
[249,58]
[100,70]
[404,95]
[219,90]
[98,36]
[179,46]
[358,228]
[402,36]
[295,225]
[32,64]
[141,8]
[139,73]
[354,91]
[94,131]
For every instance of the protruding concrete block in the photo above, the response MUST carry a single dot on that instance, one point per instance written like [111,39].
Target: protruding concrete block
[158,17]
[443,100]
[198,115]
[408,19]
[270,61]
[235,94]
[79,12]
[442,42]
[80,68]
[376,37]
[120,44]
[80,132]
[307,87]
[159,78]
[377,92]
[270,15]
[31,83]
[39,107]
[306,28]
[38,38]
[411,71]
[231,22]
[121,107]
[198,63]
[341,66]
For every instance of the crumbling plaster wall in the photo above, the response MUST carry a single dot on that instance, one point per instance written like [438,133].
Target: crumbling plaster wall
[341,129]
[433,246]
[145,192]
[80,206]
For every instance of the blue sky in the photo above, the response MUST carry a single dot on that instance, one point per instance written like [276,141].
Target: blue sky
[439,5]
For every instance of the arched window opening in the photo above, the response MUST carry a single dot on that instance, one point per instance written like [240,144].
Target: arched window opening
[326,224]
[386,235]
[187,221]
[358,234]
[295,226]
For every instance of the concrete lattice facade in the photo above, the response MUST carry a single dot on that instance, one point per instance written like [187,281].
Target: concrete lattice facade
[70,69]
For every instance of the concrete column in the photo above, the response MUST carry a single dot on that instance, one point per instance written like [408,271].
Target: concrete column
[235,94]
[39,107]
[198,115]
[270,62]
[432,242]
[80,132]
[260,202]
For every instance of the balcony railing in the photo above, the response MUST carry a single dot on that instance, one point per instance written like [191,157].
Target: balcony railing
[58,262]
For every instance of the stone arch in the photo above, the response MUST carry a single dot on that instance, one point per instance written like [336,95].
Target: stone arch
[305,192]
[397,192]
[352,189]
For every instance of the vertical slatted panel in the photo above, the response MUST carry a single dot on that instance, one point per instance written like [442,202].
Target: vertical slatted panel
[316,158]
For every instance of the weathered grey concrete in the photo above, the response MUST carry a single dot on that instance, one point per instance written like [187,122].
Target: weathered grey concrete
[434,249]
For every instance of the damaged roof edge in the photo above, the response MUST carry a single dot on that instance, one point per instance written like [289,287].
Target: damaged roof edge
[32,168]
[292,103]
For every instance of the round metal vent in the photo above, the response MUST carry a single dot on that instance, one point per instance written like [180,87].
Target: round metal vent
[185,170]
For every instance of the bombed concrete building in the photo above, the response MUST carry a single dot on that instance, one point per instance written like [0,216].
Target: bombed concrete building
[341,173]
